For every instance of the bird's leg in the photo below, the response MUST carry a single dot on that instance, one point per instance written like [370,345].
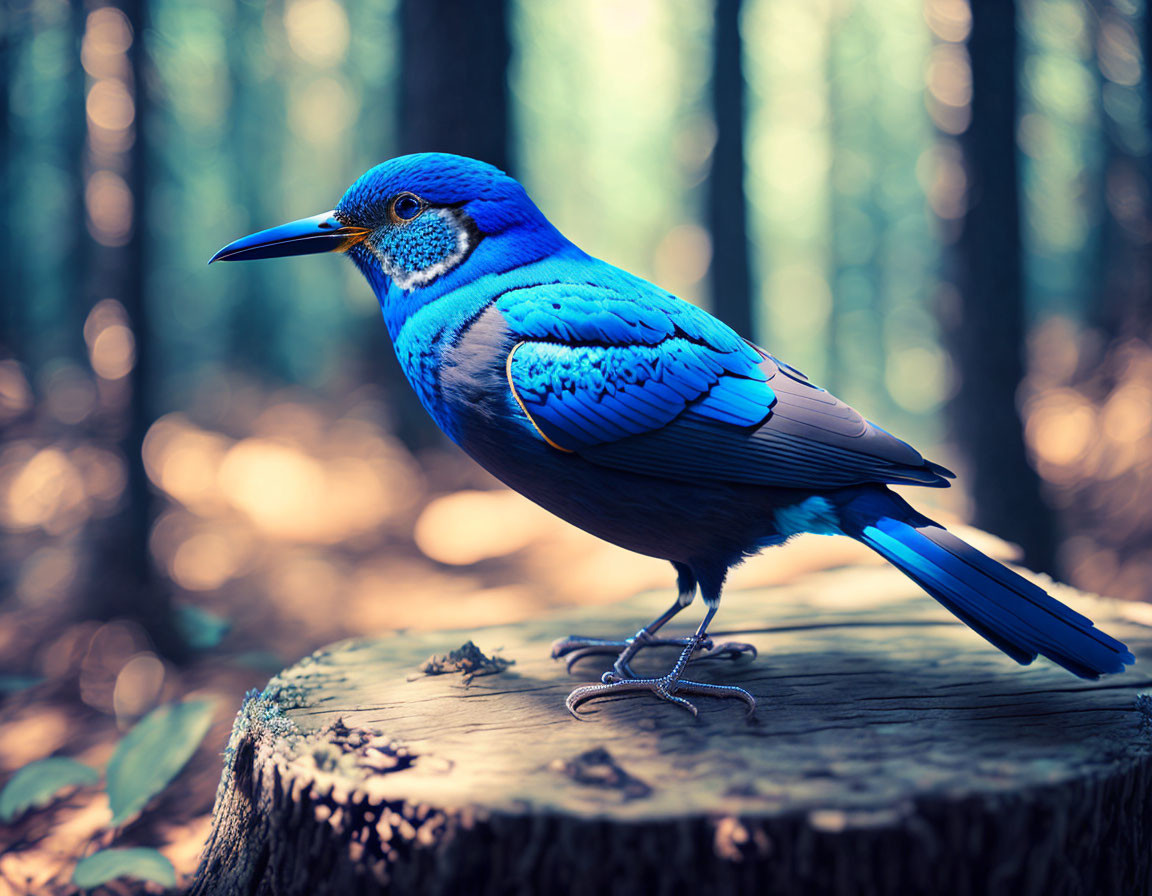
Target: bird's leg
[668,687]
[576,647]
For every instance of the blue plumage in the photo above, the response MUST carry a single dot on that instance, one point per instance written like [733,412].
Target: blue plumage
[1014,614]
[638,416]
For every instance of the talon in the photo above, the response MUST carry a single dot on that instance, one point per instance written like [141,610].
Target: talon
[687,704]
[576,656]
[575,643]
[622,679]
[666,688]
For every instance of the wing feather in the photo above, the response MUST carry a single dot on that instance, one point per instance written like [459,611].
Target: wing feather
[647,383]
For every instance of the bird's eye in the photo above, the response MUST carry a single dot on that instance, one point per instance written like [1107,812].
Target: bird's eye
[405,207]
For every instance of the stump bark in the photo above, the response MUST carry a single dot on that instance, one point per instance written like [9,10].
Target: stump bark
[893,752]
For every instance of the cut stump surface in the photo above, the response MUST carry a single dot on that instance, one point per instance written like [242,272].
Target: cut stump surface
[893,751]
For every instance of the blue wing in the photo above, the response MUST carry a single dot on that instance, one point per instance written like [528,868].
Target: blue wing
[645,382]
[593,367]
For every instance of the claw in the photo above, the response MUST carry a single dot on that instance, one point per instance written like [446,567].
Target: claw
[563,646]
[666,688]
[621,679]
[576,655]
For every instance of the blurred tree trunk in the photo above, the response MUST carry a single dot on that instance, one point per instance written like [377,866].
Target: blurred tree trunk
[124,581]
[986,334]
[82,289]
[834,78]
[453,98]
[454,79]
[857,222]
[1122,303]
[729,277]
[10,318]
[254,324]
[1146,69]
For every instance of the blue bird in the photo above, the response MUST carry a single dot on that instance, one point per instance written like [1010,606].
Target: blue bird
[641,418]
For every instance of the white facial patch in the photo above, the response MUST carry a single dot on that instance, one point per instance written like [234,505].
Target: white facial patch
[415,253]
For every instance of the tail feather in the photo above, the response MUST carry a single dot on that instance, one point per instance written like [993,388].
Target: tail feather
[1016,615]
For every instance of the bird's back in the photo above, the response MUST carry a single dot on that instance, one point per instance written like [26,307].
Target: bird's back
[598,362]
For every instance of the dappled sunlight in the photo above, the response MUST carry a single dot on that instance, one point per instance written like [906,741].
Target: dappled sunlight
[307,587]
[107,652]
[206,560]
[44,490]
[32,735]
[69,394]
[950,87]
[55,489]
[109,204]
[318,30]
[111,344]
[138,686]
[15,395]
[360,480]
[47,577]
[465,527]
[280,489]
[803,554]
[110,106]
[183,461]
[1061,427]
[1087,422]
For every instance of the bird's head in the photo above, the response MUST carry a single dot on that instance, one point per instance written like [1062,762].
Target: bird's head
[413,220]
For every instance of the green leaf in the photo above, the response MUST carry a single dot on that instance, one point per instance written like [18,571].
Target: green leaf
[36,783]
[10,684]
[152,753]
[202,629]
[260,660]
[140,863]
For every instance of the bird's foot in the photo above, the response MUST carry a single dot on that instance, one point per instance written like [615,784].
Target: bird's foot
[670,688]
[574,648]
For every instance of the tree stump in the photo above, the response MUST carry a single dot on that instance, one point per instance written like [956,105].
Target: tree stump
[893,752]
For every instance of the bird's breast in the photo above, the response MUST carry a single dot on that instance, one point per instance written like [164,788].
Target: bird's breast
[454,362]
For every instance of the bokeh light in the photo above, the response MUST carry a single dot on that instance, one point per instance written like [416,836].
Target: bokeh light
[110,105]
[318,30]
[109,204]
[457,529]
[111,344]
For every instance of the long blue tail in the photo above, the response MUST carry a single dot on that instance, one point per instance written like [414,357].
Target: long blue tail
[1017,616]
